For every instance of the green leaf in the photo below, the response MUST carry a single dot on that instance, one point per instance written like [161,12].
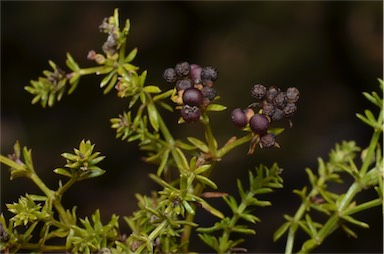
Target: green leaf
[242,230]
[212,210]
[163,162]
[349,231]
[206,181]
[152,89]
[199,144]
[71,63]
[216,107]
[311,226]
[374,98]
[107,78]
[281,230]
[163,95]
[111,84]
[356,222]
[202,169]
[131,55]
[249,217]
[153,116]
[12,164]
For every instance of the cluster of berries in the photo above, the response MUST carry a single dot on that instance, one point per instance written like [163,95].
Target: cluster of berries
[193,88]
[272,105]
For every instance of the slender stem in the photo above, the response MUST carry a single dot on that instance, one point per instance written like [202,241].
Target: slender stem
[180,161]
[371,152]
[212,145]
[228,147]
[44,248]
[98,70]
[65,187]
[292,230]
[52,195]
[36,179]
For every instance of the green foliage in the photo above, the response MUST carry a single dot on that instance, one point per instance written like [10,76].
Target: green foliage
[263,182]
[165,220]
[366,170]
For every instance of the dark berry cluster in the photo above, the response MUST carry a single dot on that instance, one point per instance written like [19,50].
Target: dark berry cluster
[193,88]
[272,105]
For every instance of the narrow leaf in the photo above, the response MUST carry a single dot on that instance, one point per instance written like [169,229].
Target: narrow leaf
[153,117]
[216,107]
[199,144]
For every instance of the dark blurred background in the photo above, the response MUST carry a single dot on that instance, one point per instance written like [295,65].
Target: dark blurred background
[331,51]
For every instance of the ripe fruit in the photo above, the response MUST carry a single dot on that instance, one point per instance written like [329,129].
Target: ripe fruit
[183,84]
[182,69]
[169,75]
[289,109]
[192,97]
[208,92]
[292,94]
[190,113]
[259,124]
[280,100]
[258,91]
[208,73]
[267,140]
[239,118]
[195,73]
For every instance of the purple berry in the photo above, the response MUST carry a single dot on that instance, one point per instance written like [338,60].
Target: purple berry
[267,140]
[280,100]
[195,73]
[169,75]
[209,73]
[239,118]
[192,97]
[271,93]
[289,109]
[183,84]
[208,92]
[292,94]
[258,91]
[259,124]
[190,113]
[182,69]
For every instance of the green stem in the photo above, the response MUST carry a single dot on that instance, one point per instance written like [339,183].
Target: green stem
[292,230]
[52,195]
[371,152]
[65,187]
[212,144]
[36,179]
[227,232]
[94,70]
[178,157]
[44,248]
[229,146]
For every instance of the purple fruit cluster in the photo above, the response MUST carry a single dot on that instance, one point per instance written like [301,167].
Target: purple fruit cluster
[272,105]
[193,86]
